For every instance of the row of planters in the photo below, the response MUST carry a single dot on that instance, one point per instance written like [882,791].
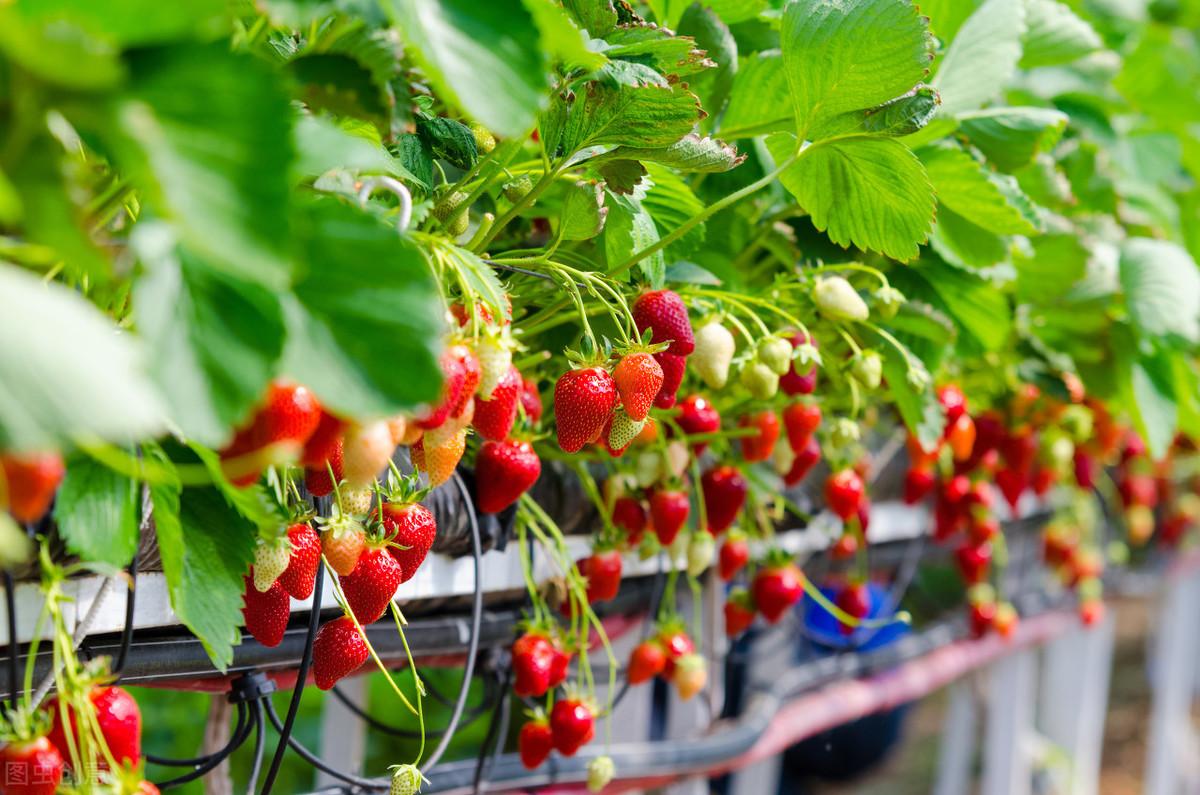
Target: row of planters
[685,253]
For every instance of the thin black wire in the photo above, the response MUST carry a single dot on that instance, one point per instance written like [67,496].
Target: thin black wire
[215,759]
[470,717]
[314,760]
[285,733]
[259,742]
[127,631]
[497,729]
[201,760]
[476,617]
[10,598]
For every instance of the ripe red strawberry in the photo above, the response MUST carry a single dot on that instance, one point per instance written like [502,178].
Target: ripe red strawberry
[845,547]
[410,525]
[806,458]
[301,572]
[733,556]
[531,400]
[673,368]
[690,676]
[266,612]
[639,378]
[29,483]
[647,661]
[724,490]
[532,659]
[321,445]
[494,418]
[698,416]
[370,587]
[953,401]
[583,402]
[560,664]
[1043,480]
[366,450]
[776,588]
[503,472]
[982,528]
[338,651]
[1019,451]
[603,572]
[31,767]
[278,431]
[535,742]
[317,479]
[980,617]
[1012,483]
[796,383]
[739,612]
[855,600]
[573,725]
[801,419]
[118,718]
[664,313]
[668,512]
[454,378]
[759,447]
[917,484]
[629,515]
[844,493]
[973,562]
[677,644]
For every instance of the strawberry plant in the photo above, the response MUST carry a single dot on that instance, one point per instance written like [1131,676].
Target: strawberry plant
[251,253]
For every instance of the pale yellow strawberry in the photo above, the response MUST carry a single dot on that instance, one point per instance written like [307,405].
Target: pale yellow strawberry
[270,560]
[366,449]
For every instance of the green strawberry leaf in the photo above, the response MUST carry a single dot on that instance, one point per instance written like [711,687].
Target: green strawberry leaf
[484,57]
[671,203]
[657,48]
[86,379]
[96,512]
[850,56]
[630,229]
[561,39]
[760,99]
[869,192]
[965,244]
[323,145]
[990,200]
[645,116]
[1012,137]
[982,58]
[920,410]
[1055,35]
[690,154]
[1162,289]
[901,116]
[583,212]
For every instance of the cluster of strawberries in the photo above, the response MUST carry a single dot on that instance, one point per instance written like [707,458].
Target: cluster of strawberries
[540,663]
[35,762]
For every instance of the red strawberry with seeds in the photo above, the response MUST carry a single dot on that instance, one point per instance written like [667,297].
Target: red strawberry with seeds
[803,463]
[472,373]
[639,379]
[573,725]
[29,483]
[278,431]
[559,664]
[724,489]
[801,420]
[453,379]
[531,400]
[647,661]
[535,742]
[776,588]
[917,485]
[673,368]
[583,402]
[733,556]
[629,515]
[844,493]
[117,716]
[698,416]
[320,446]
[266,613]
[338,651]
[664,313]
[410,525]
[760,446]
[855,600]
[603,572]
[494,418]
[370,587]
[532,660]
[503,472]
[300,575]
[668,512]
[31,767]
[739,612]
[677,644]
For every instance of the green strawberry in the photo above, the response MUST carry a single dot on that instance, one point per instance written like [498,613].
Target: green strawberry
[406,780]
[868,369]
[485,142]
[624,429]
[837,299]
[776,353]
[760,380]
[600,772]
[699,553]
[517,189]
[270,560]
[446,208]
[713,353]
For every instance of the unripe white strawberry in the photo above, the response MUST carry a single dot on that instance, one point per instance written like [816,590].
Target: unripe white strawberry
[600,772]
[677,458]
[624,429]
[760,380]
[776,353]
[868,369]
[700,552]
[648,468]
[357,501]
[366,449]
[836,298]
[713,353]
[782,458]
[406,780]
[494,351]
[270,560]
